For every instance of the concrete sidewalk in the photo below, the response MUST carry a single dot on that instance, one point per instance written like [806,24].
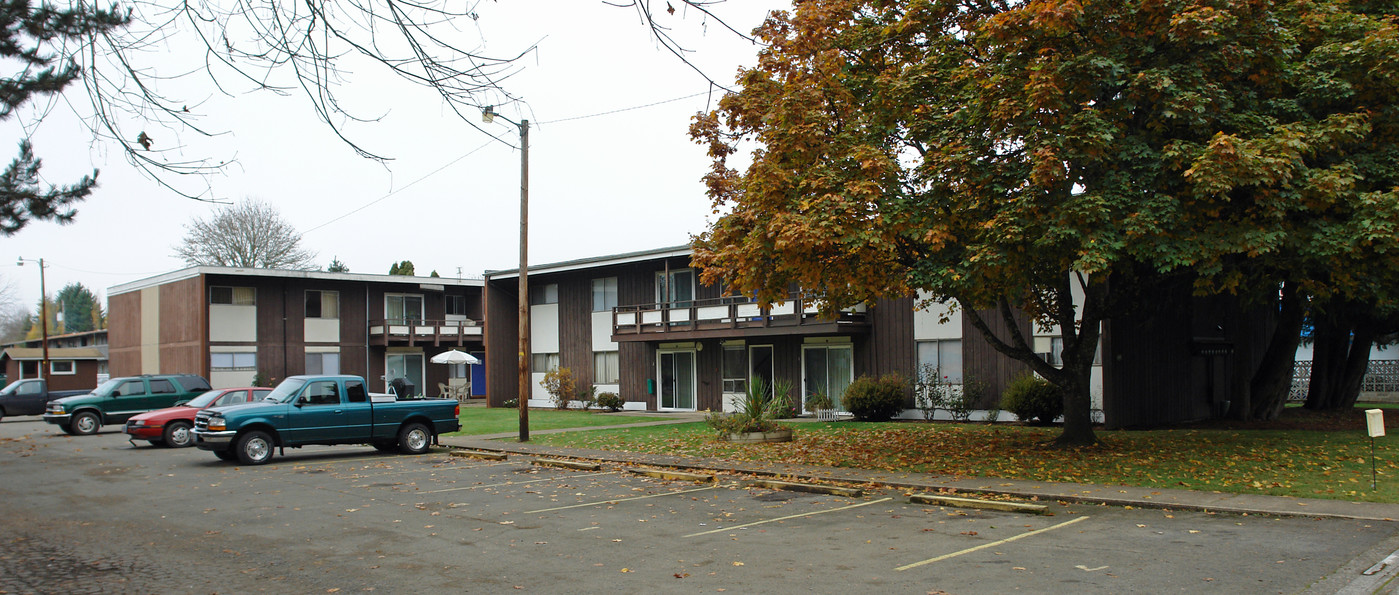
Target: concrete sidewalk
[1036,490]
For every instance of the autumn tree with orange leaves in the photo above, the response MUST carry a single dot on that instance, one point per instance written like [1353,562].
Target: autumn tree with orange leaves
[1055,157]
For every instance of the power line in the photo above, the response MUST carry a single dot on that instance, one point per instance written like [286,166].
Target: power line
[625,109]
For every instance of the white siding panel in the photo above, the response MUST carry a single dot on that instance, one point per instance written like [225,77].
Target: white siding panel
[322,330]
[602,333]
[926,326]
[544,328]
[232,323]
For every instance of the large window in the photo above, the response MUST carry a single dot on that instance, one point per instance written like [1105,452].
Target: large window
[827,370]
[543,363]
[456,305]
[322,304]
[233,361]
[323,363]
[604,294]
[678,288]
[235,296]
[946,356]
[403,309]
[605,368]
[544,294]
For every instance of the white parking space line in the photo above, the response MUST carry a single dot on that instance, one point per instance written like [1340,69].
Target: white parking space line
[794,516]
[516,483]
[430,469]
[992,544]
[616,500]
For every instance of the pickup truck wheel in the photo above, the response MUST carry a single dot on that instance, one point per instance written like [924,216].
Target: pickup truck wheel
[84,424]
[177,435]
[414,439]
[226,455]
[254,448]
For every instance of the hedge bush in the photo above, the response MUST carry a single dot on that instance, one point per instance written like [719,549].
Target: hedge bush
[1033,399]
[875,399]
[610,401]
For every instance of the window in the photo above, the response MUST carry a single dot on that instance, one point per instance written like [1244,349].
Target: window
[946,356]
[605,369]
[544,294]
[354,389]
[542,363]
[322,392]
[233,361]
[677,289]
[235,296]
[456,305]
[323,363]
[1055,356]
[62,367]
[604,294]
[735,369]
[162,387]
[403,308]
[322,304]
[827,370]
[130,387]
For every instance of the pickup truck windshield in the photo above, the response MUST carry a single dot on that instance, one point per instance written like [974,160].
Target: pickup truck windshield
[286,390]
[10,390]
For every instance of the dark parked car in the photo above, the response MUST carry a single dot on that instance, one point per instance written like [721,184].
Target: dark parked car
[171,426]
[118,399]
[30,396]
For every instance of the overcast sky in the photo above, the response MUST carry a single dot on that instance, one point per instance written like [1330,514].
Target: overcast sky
[604,178]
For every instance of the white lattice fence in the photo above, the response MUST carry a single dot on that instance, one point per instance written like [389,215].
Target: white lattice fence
[1381,377]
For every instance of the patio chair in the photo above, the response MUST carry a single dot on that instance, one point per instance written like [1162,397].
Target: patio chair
[445,391]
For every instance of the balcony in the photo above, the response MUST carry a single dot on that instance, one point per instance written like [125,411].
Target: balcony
[729,318]
[424,332]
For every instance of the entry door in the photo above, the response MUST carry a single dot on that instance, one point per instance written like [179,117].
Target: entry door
[760,365]
[827,370]
[676,370]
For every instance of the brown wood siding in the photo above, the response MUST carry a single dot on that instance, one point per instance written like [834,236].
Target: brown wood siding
[502,341]
[84,376]
[181,332]
[1148,373]
[123,334]
[982,363]
[637,364]
[889,347]
[709,376]
[575,326]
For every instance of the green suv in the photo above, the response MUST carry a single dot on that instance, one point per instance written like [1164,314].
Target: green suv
[118,399]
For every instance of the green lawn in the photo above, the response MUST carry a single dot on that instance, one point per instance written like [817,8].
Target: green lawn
[498,420]
[1331,464]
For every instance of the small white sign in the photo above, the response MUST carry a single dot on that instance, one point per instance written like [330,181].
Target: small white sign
[1374,422]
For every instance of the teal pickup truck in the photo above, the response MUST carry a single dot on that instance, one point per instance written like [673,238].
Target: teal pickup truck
[306,410]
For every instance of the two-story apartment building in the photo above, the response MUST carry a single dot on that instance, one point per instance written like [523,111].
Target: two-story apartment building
[642,325]
[232,324]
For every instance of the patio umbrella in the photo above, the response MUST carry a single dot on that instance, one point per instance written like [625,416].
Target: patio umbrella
[454,357]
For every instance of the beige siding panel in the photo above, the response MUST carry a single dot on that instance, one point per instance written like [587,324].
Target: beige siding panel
[150,331]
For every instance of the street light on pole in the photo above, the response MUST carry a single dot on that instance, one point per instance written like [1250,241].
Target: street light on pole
[43,315]
[488,115]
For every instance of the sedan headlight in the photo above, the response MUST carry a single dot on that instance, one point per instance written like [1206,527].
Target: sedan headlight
[136,422]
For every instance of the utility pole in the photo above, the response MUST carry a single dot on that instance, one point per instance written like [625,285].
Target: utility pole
[43,318]
[488,115]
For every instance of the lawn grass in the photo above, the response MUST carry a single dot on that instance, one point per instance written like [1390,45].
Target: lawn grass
[498,420]
[1331,464]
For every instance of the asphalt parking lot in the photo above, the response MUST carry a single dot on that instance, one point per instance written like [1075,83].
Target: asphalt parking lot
[96,514]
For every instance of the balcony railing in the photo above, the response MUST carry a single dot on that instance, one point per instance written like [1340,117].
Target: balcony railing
[424,332]
[722,316]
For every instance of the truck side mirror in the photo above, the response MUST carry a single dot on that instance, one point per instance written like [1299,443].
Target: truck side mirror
[301,400]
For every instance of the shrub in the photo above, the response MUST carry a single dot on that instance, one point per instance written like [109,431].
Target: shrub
[510,404]
[588,397]
[610,401]
[930,391]
[1030,397]
[757,411]
[875,399]
[560,386]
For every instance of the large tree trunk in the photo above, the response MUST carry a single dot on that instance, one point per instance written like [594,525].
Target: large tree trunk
[1339,361]
[1273,379]
[1076,385]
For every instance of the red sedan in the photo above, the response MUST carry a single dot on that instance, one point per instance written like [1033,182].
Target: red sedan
[171,426]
